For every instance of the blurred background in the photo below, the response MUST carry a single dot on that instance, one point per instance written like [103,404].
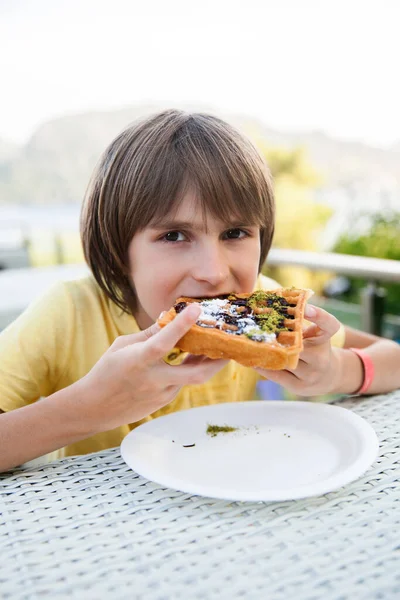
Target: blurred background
[314,84]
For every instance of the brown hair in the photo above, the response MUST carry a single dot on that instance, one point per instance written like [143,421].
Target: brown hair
[144,173]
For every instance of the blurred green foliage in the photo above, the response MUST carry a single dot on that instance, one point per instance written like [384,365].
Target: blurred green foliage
[300,221]
[290,163]
[380,240]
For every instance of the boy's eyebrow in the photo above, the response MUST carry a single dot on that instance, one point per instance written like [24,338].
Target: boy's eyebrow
[171,224]
[177,225]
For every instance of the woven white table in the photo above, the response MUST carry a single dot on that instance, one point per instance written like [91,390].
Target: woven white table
[89,527]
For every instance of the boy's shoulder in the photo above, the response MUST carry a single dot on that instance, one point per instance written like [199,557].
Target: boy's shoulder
[66,298]
[73,290]
[80,290]
[83,302]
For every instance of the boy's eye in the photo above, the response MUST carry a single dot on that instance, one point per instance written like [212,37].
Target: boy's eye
[235,234]
[174,236]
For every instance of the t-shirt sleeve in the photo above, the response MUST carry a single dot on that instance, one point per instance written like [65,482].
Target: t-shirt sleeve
[34,349]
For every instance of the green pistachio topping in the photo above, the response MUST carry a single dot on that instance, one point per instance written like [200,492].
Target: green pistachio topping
[214,430]
[252,333]
[273,320]
[270,322]
[261,298]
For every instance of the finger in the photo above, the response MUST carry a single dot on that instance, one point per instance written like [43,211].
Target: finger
[324,325]
[196,359]
[301,370]
[167,337]
[195,374]
[133,338]
[187,359]
[284,378]
[140,336]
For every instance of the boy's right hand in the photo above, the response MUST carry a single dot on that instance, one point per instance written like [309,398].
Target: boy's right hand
[131,380]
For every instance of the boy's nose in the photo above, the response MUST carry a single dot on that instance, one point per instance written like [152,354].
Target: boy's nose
[211,267]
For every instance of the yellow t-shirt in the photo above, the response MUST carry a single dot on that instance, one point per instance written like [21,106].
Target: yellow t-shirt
[59,338]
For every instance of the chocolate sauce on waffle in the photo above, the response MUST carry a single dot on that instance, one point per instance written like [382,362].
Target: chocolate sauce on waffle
[260,317]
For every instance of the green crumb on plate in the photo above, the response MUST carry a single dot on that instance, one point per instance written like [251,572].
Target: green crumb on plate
[214,430]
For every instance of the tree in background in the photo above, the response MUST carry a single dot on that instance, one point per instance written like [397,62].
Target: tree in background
[380,240]
[300,221]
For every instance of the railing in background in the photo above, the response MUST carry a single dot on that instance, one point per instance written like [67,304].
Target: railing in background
[18,287]
[374,270]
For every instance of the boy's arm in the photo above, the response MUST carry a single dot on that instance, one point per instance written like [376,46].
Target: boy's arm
[323,369]
[47,425]
[129,382]
[385,355]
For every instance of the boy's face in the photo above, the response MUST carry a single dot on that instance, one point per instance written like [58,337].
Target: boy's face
[187,257]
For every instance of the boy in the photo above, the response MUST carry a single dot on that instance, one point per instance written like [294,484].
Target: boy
[179,205]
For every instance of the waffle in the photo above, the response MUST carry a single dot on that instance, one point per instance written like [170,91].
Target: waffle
[262,329]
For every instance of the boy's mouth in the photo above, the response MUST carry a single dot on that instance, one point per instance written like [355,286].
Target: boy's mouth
[220,295]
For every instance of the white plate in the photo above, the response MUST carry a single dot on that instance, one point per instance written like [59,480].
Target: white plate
[281,450]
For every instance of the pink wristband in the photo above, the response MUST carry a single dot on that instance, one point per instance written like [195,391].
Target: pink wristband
[369,372]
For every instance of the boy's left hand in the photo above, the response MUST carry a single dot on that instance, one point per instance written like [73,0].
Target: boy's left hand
[318,369]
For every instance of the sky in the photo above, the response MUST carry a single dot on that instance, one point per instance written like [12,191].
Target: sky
[326,65]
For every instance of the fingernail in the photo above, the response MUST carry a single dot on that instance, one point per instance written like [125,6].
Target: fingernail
[310,311]
[193,310]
